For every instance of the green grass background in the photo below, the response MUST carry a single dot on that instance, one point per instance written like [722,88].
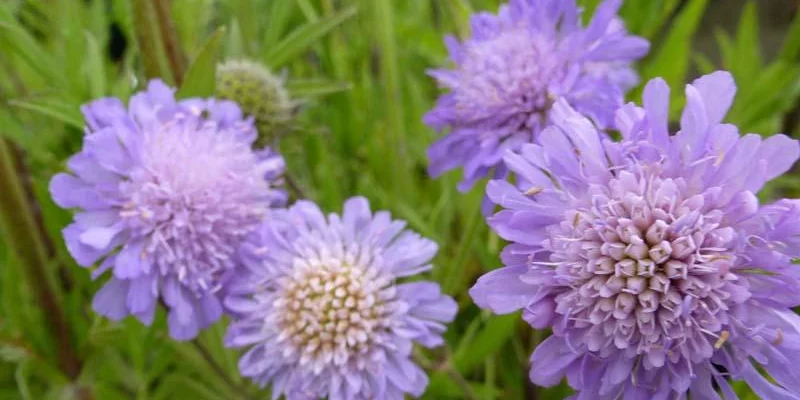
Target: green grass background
[359,68]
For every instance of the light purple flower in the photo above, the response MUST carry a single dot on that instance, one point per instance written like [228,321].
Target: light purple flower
[321,311]
[166,191]
[650,258]
[514,68]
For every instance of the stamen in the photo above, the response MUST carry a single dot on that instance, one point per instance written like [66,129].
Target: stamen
[723,337]
[779,339]
[534,191]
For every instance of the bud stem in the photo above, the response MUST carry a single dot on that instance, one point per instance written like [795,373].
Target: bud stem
[143,19]
[169,38]
[24,239]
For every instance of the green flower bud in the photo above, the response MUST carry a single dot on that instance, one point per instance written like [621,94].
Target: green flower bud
[260,94]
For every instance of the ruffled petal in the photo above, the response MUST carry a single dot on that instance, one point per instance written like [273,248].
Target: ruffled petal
[502,290]
[110,300]
[550,361]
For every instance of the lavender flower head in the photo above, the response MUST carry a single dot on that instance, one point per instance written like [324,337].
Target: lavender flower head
[166,190]
[650,258]
[512,70]
[321,311]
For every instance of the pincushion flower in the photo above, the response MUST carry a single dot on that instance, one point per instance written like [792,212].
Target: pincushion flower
[515,66]
[651,258]
[321,311]
[166,191]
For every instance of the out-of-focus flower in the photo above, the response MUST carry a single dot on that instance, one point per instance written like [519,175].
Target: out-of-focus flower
[512,70]
[321,311]
[260,94]
[650,258]
[167,190]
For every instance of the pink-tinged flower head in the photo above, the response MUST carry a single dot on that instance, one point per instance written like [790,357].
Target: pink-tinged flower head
[166,191]
[651,258]
[321,311]
[512,70]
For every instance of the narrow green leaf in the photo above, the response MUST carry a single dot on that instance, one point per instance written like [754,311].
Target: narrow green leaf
[647,18]
[703,63]
[790,51]
[491,338]
[200,79]
[151,49]
[61,111]
[308,10]
[671,59]
[29,50]
[21,378]
[772,93]
[469,336]
[300,88]
[278,17]
[305,36]
[744,391]
[191,19]
[726,48]
[94,67]
[234,44]
[71,48]
[384,19]
[748,54]
[442,386]
[183,387]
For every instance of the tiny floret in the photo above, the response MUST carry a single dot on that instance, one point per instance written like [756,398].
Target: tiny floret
[166,191]
[320,309]
[650,258]
[511,71]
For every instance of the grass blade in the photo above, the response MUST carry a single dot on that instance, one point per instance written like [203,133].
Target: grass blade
[201,76]
[303,37]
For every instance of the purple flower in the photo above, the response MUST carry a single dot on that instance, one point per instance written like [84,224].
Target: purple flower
[514,68]
[321,311]
[167,190]
[650,258]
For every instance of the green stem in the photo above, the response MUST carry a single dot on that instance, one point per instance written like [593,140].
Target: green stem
[447,367]
[145,22]
[294,188]
[537,336]
[454,277]
[24,238]
[169,38]
[240,390]
[206,355]
[456,376]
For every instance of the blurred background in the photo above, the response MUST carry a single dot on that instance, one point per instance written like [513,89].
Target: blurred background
[355,71]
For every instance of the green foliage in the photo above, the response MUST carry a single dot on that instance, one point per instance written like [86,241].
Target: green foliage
[360,67]
[669,57]
[301,38]
[202,73]
[766,92]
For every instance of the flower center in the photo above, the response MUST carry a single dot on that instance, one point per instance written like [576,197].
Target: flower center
[646,268]
[510,72]
[199,190]
[332,314]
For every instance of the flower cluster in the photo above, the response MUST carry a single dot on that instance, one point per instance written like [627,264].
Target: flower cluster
[512,70]
[174,200]
[166,190]
[320,309]
[650,258]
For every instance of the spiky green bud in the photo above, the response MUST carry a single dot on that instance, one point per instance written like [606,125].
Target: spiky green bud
[260,94]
